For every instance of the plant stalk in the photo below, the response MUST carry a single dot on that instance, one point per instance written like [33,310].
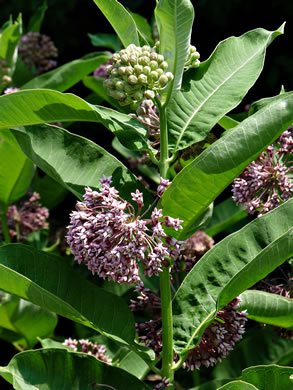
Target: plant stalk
[165,289]
[4,225]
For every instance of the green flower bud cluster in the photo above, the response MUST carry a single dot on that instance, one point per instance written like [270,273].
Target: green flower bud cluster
[192,59]
[4,73]
[136,73]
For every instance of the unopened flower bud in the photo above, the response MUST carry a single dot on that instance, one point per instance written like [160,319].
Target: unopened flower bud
[149,94]
[164,65]
[142,79]
[132,79]
[138,69]
[144,60]
[146,70]
[153,65]
[163,79]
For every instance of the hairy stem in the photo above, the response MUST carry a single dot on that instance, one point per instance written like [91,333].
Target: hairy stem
[165,290]
[4,225]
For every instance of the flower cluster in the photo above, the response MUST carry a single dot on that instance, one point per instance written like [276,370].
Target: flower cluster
[267,181]
[4,73]
[219,337]
[217,341]
[111,238]
[29,217]
[147,113]
[38,52]
[89,348]
[192,60]
[136,73]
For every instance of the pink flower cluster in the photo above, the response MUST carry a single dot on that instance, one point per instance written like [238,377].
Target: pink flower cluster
[25,219]
[37,51]
[89,348]
[217,341]
[110,237]
[219,337]
[267,181]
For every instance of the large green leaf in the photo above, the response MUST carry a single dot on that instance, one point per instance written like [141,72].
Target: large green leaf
[44,105]
[26,320]
[74,161]
[218,86]
[64,77]
[238,385]
[174,19]
[271,377]
[121,21]
[230,267]
[46,280]
[16,170]
[56,369]
[198,184]
[258,346]
[268,308]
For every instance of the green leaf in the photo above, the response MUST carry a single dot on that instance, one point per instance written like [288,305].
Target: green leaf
[56,369]
[50,191]
[67,75]
[121,21]
[268,308]
[271,377]
[26,320]
[211,385]
[225,215]
[238,385]
[9,39]
[227,122]
[198,184]
[134,364]
[216,87]
[46,280]
[44,105]
[74,161]
[259,104]
[258,346]
[174,19]
[36,20]
[230,267]
[144,28]
[16,170]
[109,41]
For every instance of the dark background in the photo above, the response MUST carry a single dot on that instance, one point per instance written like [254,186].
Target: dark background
[67,22]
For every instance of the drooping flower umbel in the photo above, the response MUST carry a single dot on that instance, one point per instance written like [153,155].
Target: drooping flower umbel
[38,52]
[267,182]
[110,237]
[217,341]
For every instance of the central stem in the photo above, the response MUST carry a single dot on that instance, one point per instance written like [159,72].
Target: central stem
[4,225]
[165,289]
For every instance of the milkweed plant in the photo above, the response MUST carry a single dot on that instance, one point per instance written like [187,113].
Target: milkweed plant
[165,257]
